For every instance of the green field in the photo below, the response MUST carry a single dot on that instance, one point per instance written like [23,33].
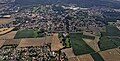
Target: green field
[78,45]
[111,31]
[88,37]
[116,41]
[97,57]
[109,39]
[28,33]
[105,43]
[67,42]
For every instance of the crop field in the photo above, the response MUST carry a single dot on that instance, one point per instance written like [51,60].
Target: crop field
[5,21]
[86,57]
[5,30]
[109,39]
[105,43]
[9,35]
[97,57]
[93,43]
[28,33]
[110,55]
[2,43]
[56,45]
[111,31]
[78,45]
[25,34]
[88,37]
[69,52]
[116,41]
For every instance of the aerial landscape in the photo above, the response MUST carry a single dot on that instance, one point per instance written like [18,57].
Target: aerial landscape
[59,30]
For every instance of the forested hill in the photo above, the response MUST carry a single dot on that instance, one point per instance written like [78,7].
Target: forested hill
[84,3]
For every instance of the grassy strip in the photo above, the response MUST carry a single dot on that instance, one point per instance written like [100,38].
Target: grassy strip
[67,42]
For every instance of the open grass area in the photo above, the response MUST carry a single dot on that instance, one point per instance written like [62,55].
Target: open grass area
[78,45]
[28,33]
[97,57]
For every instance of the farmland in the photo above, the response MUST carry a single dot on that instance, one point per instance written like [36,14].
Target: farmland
[110,38]
[9,35]
[5,30]
[28,33]
[111,31]
[78,45]
[88,37]
[111,55]
[105,43]
[86,57]
[8,20]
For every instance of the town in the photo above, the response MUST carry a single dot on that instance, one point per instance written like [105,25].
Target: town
[58,32]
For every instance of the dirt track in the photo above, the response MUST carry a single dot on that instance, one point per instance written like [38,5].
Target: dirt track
[111,55]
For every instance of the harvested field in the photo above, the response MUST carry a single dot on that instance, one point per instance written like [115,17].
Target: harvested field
[118,28]
[87,33]
[12,42]
[69,52]
[5,30]
[86,57]
[1,43]
[93,43]
[5,21]
[34,42]
[25,34]
[56,45]
[9,35]
[110,55]
[95,29]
